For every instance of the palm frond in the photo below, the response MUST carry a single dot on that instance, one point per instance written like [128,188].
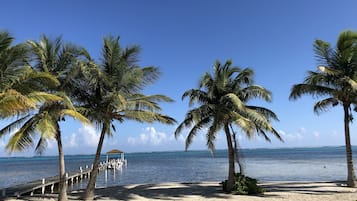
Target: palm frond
[323,105]
[41,146]
[11,127]
[46,126]
[43,97]
[269,114]
[244,77]
[256,91]
[23,138]
[13,102]
[212,134]
[314,90]
[194,130]
[76,115]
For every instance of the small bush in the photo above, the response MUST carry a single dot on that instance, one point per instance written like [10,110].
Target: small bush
[244,185]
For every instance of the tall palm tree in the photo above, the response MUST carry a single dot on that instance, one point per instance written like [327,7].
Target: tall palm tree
[63,62]
[222,99]
[18,93]
[113,95]
[335,82]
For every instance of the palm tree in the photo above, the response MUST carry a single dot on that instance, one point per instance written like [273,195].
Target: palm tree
[64,61]
[61,61]
[221,100]
[113,95]
[18,93]
[335,81]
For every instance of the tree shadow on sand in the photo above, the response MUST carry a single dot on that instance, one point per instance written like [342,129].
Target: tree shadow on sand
[158,192]
[312,188]
[185,191]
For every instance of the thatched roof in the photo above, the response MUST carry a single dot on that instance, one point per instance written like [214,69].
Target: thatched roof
[115,151]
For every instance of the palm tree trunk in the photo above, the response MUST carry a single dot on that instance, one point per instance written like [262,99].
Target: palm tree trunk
[236,152]
[89,194]
[231,169]
[351,180]
[62,190]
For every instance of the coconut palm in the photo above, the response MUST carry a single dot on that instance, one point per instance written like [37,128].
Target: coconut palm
[113,95]
[61,61]
[335,82]
[222,100]
[18,93]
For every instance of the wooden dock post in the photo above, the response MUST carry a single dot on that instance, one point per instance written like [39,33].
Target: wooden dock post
[43,186]
[52,187]
[81,170]
[66,177]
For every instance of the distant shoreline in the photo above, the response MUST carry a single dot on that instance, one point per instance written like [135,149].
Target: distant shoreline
[201,191]
[194,150]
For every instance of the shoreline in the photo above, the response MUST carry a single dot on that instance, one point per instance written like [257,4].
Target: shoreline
[211,190]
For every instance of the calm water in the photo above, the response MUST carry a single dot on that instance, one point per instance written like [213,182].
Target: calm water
[300,164]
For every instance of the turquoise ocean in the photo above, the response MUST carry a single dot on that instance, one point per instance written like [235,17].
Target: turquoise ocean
[288,164]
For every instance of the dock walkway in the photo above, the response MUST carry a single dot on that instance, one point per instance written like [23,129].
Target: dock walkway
[50,184]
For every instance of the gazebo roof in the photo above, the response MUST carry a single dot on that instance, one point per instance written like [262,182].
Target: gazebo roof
[115,151]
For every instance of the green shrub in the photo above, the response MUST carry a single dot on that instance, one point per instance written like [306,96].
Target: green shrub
[244,185]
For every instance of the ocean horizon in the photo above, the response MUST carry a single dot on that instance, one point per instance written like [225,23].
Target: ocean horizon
[327,163]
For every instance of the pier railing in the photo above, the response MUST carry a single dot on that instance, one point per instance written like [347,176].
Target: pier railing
[50,184]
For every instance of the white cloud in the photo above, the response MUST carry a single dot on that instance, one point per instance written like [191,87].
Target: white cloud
[85,136]
[150,136]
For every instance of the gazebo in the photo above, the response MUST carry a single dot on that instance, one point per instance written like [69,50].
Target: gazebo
[115,152]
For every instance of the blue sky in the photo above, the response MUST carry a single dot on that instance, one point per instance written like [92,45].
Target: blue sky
[184,38]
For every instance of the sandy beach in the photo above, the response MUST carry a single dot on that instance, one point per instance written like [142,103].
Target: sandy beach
[275,191]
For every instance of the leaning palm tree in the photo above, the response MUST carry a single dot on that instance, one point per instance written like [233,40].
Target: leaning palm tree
[335,82]
[222,100]
[111,93]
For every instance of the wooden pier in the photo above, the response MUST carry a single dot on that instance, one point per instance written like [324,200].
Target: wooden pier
[50,184]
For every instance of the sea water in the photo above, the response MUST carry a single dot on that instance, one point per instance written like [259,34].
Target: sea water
[290,164]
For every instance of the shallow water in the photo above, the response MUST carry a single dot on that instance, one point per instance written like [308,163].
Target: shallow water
[300,164]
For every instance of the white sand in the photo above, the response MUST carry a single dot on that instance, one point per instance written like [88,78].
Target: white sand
[275,191]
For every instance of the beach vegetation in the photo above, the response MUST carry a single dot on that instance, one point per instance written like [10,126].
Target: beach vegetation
[220,102]
[110,92]
[335,81]
[244,185]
